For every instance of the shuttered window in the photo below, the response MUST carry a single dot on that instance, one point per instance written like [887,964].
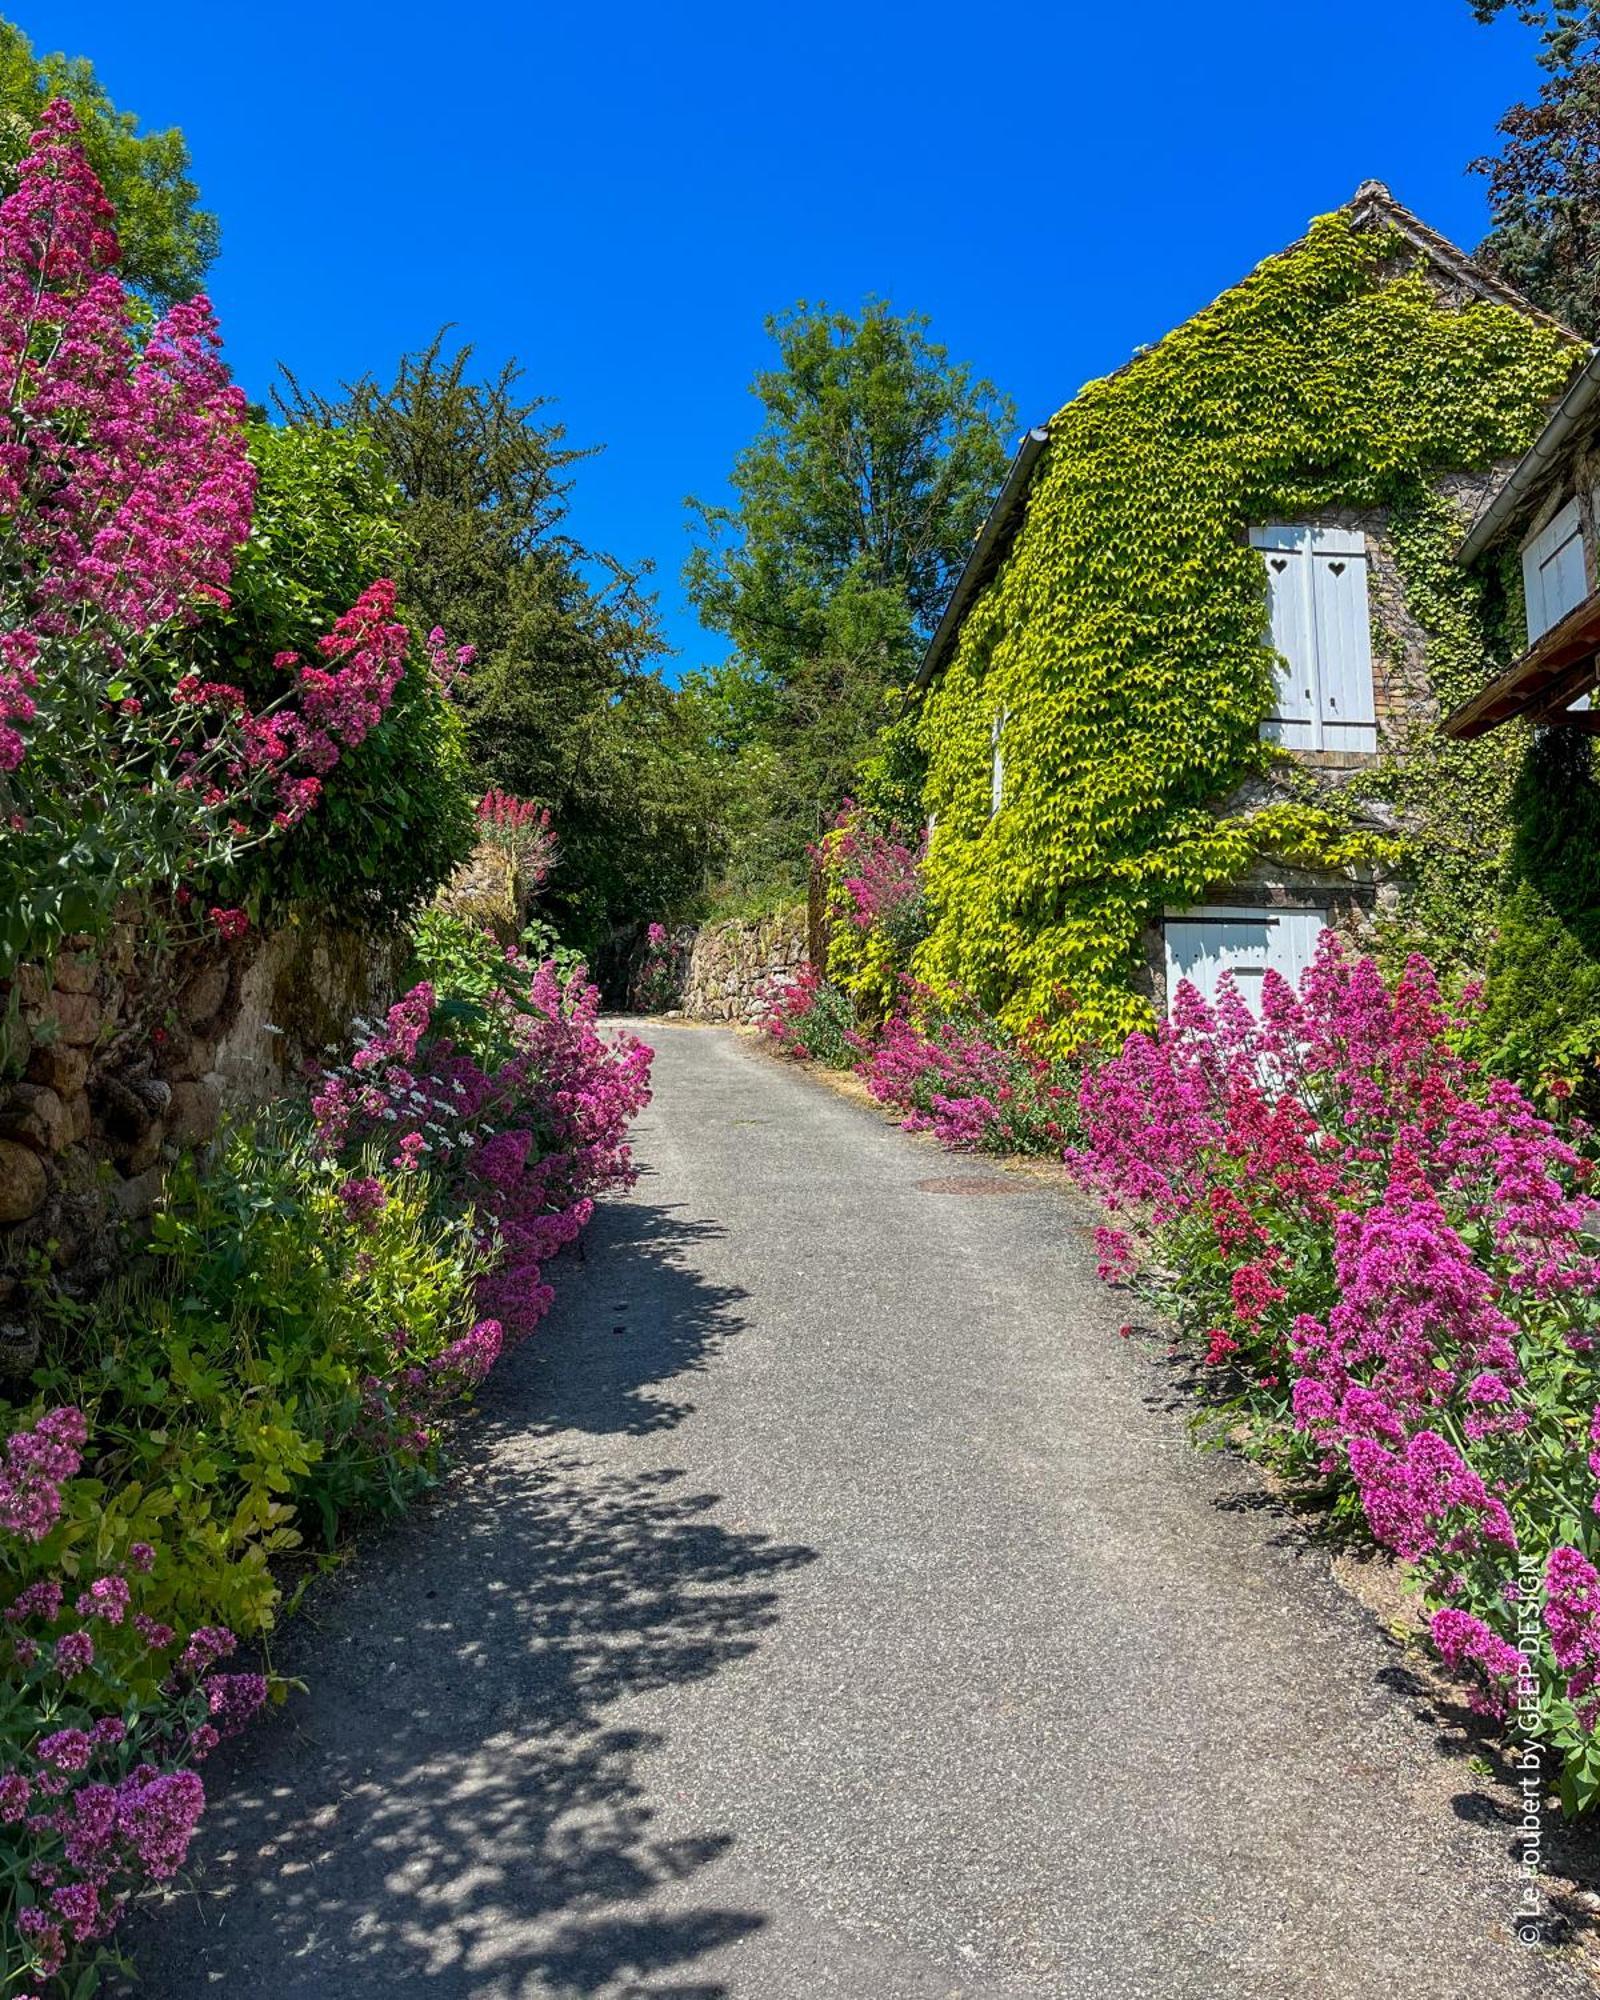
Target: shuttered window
[1319,626]
[1552,572]
[1203,944]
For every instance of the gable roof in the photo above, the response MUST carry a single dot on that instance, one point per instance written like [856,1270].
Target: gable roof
[1372,206]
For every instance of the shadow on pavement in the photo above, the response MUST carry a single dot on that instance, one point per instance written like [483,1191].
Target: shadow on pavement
[453,1809]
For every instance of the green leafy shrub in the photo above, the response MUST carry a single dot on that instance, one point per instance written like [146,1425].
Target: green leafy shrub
[241,1383]
[398,817]
[1541,1019]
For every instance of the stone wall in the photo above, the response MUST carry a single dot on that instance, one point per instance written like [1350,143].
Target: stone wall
[113,1064]
[722,972]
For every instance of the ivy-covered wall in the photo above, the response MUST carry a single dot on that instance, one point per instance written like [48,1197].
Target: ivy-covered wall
[1124,635]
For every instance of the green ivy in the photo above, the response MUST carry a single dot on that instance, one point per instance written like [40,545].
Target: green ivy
[1124,633]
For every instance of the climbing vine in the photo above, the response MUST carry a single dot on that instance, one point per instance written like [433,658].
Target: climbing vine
[1123,638]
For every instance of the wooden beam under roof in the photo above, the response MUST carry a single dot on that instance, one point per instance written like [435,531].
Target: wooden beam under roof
[1560,666]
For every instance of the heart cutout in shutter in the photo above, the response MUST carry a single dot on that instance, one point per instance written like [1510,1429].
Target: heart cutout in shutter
[1280,563]
[1337,568]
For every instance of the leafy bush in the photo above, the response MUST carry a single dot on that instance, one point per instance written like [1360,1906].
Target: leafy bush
[958,1073]
[1390,1263]
[399,817]
[814,1021]
[104,1713]
[506,1100]
[249,1387]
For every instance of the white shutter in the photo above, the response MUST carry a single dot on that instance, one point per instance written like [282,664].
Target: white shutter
[997,762]
[1203,944]
[1319,623]
[1344,639]
[1553,573]
[1287,552]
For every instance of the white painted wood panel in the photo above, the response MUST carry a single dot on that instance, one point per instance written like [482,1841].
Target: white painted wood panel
[1203,944]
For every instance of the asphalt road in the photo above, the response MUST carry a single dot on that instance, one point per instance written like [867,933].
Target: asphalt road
[830,1604]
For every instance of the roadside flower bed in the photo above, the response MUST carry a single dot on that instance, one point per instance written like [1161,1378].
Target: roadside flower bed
[1386,1258]
[319,1298]
[947,1066]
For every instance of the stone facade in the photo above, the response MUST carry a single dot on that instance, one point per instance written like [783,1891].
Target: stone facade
[114,1062]
[724,972]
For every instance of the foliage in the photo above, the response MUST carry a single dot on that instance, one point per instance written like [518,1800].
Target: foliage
[103,1716]
[873,907]
[561,705]
[310,1311]
[167,241]
[126,489]
[1123,638]
[506,1098]
[963,1076]
[1541,1019]
[243,1385]
[855,509]
[813,1021]
[1390,1265]
[327,519]
[1544,183]
[521,830]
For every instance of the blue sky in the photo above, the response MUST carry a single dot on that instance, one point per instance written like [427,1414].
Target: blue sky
[619,193]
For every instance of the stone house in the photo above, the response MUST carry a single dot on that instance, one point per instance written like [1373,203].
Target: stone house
[1172,740]
[1545,519]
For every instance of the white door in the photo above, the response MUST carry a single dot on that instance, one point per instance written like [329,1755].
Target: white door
[1203,944]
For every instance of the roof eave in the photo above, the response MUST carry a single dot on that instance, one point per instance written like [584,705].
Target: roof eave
[999,528]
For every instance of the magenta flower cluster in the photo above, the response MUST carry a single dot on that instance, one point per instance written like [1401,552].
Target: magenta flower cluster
[1390,1260]
[103,1726]
[525,1142]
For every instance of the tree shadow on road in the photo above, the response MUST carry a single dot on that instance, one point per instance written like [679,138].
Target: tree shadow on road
[456,1807]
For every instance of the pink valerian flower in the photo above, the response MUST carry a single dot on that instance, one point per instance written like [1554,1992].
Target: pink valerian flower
[1464,1642]
[1429,1499]
[449,663]
[1572,1619]
[107,1598]
[34,1465]
[74,1653]
[524,830]
[231,924]
[1113,1253]
[363,1198]
[234,1700]
[207,1644]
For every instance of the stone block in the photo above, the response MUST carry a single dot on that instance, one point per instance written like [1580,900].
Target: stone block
[64,1069]
[77,1018]
[33,1111]
[75,973]
[201,999]
[196,1107]
[23,1182]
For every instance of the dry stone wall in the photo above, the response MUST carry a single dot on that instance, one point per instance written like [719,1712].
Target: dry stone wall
[114,1061]
[723,972]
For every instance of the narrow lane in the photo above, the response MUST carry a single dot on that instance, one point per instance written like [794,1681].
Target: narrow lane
[830,1605]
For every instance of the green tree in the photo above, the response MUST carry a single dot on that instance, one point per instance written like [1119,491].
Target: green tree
[563,704]
[396,816]
[168,241]
[1544,183]
[855,507]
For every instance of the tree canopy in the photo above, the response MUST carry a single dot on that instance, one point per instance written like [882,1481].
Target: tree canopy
[168,241]
[1544,183]
[855,506]
[564,704]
